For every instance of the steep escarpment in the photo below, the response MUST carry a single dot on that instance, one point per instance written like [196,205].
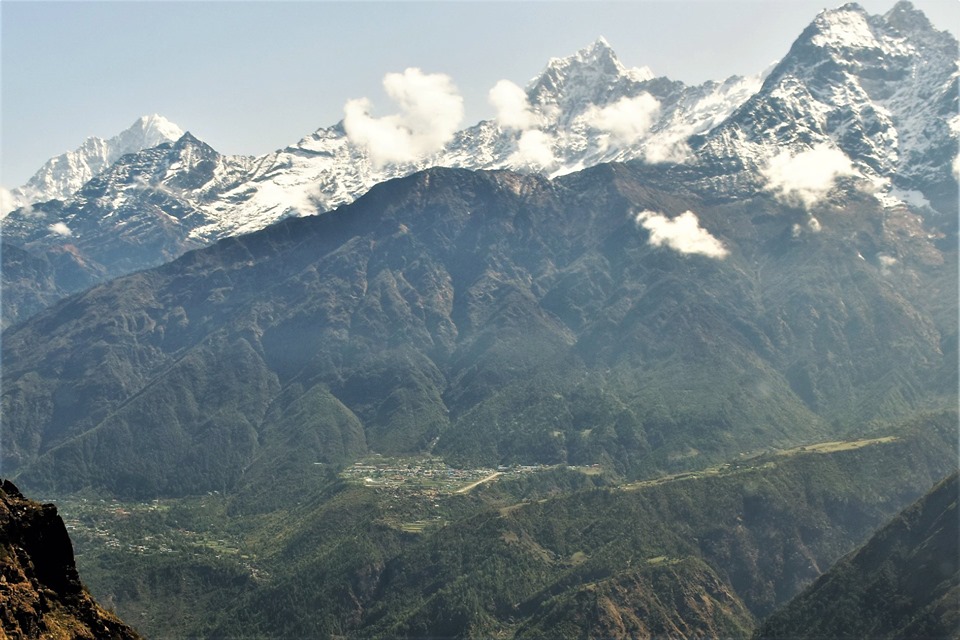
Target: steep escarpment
[40,591]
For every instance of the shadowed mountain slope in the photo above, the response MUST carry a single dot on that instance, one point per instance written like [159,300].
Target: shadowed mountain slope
[904,583]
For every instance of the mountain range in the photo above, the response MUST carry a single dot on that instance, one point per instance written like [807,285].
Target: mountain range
[871,98]
[62,176]
[495,318]
[499,317]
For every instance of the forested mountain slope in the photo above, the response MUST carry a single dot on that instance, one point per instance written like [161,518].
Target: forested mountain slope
[310,552]
[493,318]
[904,583]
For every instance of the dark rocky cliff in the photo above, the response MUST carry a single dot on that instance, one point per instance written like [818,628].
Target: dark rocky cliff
[40,591]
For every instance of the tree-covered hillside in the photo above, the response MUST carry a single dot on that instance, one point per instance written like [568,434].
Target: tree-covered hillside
[490,318]
[904,583]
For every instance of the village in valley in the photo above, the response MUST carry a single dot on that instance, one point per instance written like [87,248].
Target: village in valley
[415,493]
[431,476]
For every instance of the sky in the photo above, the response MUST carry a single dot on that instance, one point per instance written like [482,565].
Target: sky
[251,77]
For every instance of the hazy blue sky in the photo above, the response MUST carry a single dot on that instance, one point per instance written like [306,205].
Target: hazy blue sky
[250,77]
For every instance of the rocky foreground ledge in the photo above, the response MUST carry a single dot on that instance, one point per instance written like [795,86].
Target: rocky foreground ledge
[40,590]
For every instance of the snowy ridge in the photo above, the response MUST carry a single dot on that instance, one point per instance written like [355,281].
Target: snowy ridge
[62,176]
[325,169]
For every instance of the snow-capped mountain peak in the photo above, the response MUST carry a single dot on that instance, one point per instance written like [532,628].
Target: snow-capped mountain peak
[876,95]
[847,28]
[907,19]
[879,88]
[592,109]
[589,76]
[62,176]
[146,132]
[600,57]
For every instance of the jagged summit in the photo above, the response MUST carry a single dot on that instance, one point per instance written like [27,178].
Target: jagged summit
[65,174]
[849,6]
[590,74]
[154,129]
[881,89]
[188,139]
[597,55]
[851,27]
[905,17]
[847,26]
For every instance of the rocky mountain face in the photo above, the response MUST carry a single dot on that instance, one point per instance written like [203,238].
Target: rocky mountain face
[41,595]
[881,91]
[634,604]
[493,318]
[130,216]
[903,583]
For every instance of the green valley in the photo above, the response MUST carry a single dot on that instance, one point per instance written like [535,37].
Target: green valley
[534,553]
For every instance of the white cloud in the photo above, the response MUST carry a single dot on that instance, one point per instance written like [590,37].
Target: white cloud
[431,111]
[8,202]
[513,108]
[805,178]
[956,168]
[669,145]
[60,229]
[534,150]
[626,120]
[27,211]
[20,199]
[683,233]
[812,225]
